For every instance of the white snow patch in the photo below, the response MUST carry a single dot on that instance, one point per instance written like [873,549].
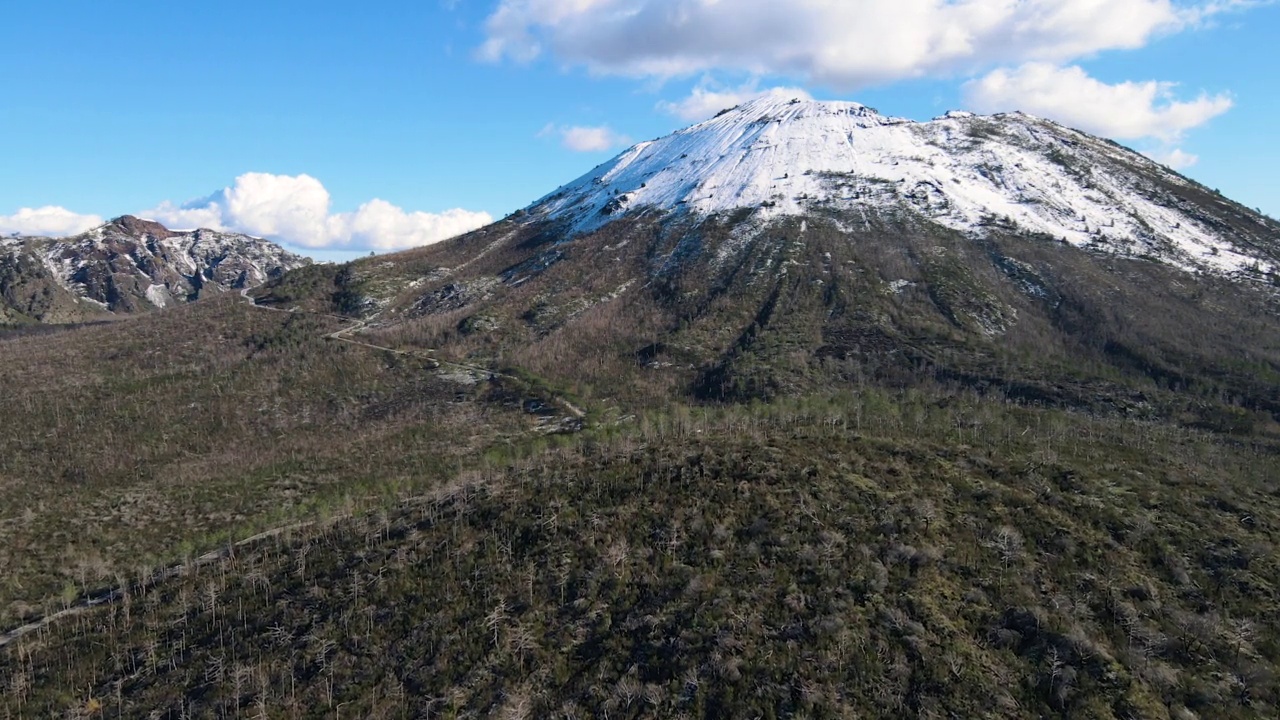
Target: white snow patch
[620,290]
[188,253]
[970,173]
[158,295]
[461,377]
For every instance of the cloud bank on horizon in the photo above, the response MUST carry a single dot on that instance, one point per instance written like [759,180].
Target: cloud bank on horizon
[1016,55]
[49,220]
[295,210]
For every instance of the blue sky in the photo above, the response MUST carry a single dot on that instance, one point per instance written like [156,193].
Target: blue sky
[290,119]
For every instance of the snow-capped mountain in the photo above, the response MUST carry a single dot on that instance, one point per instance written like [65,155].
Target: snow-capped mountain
[962,171]
[128,265]
[784,246]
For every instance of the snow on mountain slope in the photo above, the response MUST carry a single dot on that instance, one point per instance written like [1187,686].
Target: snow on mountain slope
[962,171]
[229,259]
[130,264]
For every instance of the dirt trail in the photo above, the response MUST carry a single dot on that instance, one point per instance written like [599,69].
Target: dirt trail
[109,596]
[343,335]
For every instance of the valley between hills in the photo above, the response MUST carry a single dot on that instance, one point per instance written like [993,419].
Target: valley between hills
[769,418]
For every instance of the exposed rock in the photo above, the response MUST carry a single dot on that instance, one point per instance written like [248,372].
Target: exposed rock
[129,265]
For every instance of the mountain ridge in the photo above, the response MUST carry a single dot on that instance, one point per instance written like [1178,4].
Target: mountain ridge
[966,172]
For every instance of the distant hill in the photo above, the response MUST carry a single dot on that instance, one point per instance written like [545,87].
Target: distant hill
[128,266]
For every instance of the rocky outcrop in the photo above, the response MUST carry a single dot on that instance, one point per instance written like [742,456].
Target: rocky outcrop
[129,265]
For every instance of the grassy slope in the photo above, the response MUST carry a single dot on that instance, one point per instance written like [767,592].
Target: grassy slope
[640,312]
[29,293]
[128,444]
[1051,491]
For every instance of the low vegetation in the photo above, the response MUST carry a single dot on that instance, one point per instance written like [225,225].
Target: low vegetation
[664,470]
[125,445]
[862,555]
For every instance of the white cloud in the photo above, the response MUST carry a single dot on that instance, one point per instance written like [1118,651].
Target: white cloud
[47,221]
[380,225]
[1175,158]
[845,44]
[296,210]
[281,206]
[187,217]
[591,139]
[704,101]
[1127,110]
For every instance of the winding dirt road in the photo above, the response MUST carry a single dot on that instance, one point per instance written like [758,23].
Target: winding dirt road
[344,335]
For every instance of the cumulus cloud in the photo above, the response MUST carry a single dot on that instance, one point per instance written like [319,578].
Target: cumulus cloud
[1127,110]
[705,100]
[378,224]
[296,210]
[188,217]
[47,221]
[846,44]
[589,139]
[283,206]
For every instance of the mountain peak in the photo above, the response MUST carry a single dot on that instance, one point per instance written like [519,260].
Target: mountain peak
[781,109]
[139,227]
[778,156]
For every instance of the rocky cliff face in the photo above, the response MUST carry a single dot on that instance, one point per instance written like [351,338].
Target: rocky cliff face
[129,265]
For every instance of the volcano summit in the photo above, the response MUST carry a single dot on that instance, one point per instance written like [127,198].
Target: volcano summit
[962,171]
